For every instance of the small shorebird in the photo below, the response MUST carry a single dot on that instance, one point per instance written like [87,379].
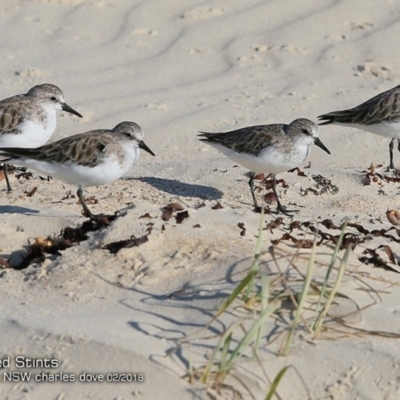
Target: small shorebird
[29,120]
[87,159]
[379,115]
[267,148]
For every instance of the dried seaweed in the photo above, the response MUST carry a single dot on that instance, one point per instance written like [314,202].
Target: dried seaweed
[169,209]
[36,251]
[324,185]
[349,239]
[12,169]
[217,206]
[300,243]
[115,247]
[376,260]
[269,183]
[274,224]
[258,210]
[69,195]
[26,175]
[180,216]
[35,254]
[374,233]
[389,253]
[270,197]
[294,225]
[299,171]
[371,175]
[259,177]
[393,216]
[242,228]
[147,215]
[31,192]
[328,223]
[166,214]
[4,263]
[75,235]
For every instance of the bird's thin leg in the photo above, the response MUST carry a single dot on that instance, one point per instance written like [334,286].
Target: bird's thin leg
[86,211]
[391,144]
[5,170]
[398,146]
[280,207]
[251,184]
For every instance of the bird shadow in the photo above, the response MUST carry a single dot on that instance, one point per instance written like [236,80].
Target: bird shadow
[17,210]
[177,188]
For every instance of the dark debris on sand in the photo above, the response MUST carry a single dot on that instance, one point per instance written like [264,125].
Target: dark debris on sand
[115,247]
[372,176]
[358,235]
[323,186]
[169,209]
[36,251]
[31,192]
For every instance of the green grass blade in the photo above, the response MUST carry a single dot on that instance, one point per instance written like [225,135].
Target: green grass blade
[224,352]
[319,309]
[275,383]
[264,304]
[334,290]
[303,297]
[213,357]
[249,336]
[242,284]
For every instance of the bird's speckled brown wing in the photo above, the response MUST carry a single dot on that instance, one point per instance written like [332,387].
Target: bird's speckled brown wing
[10,113]
[86,149]
[250,140]
[383,107]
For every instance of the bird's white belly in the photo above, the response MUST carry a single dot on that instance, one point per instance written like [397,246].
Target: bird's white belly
[73,174]
[269,160]
[30,135]
[109,170]
[387,129]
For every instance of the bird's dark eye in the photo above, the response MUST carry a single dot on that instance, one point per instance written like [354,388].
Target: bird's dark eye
[305,131]
[53,98]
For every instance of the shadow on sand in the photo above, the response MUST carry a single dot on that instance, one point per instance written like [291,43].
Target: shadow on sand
[177,188]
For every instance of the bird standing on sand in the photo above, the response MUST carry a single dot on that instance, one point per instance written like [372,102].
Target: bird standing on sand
[86,159]
[268,148]
[379,115]
[29,120]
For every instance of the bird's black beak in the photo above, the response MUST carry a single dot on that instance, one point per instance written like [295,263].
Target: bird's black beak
[143,145]
[318,142]
[69,109]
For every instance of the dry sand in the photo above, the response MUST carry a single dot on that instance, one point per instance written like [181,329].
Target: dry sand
[177,67]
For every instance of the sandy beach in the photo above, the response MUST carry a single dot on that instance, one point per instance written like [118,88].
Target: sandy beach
[146,312]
